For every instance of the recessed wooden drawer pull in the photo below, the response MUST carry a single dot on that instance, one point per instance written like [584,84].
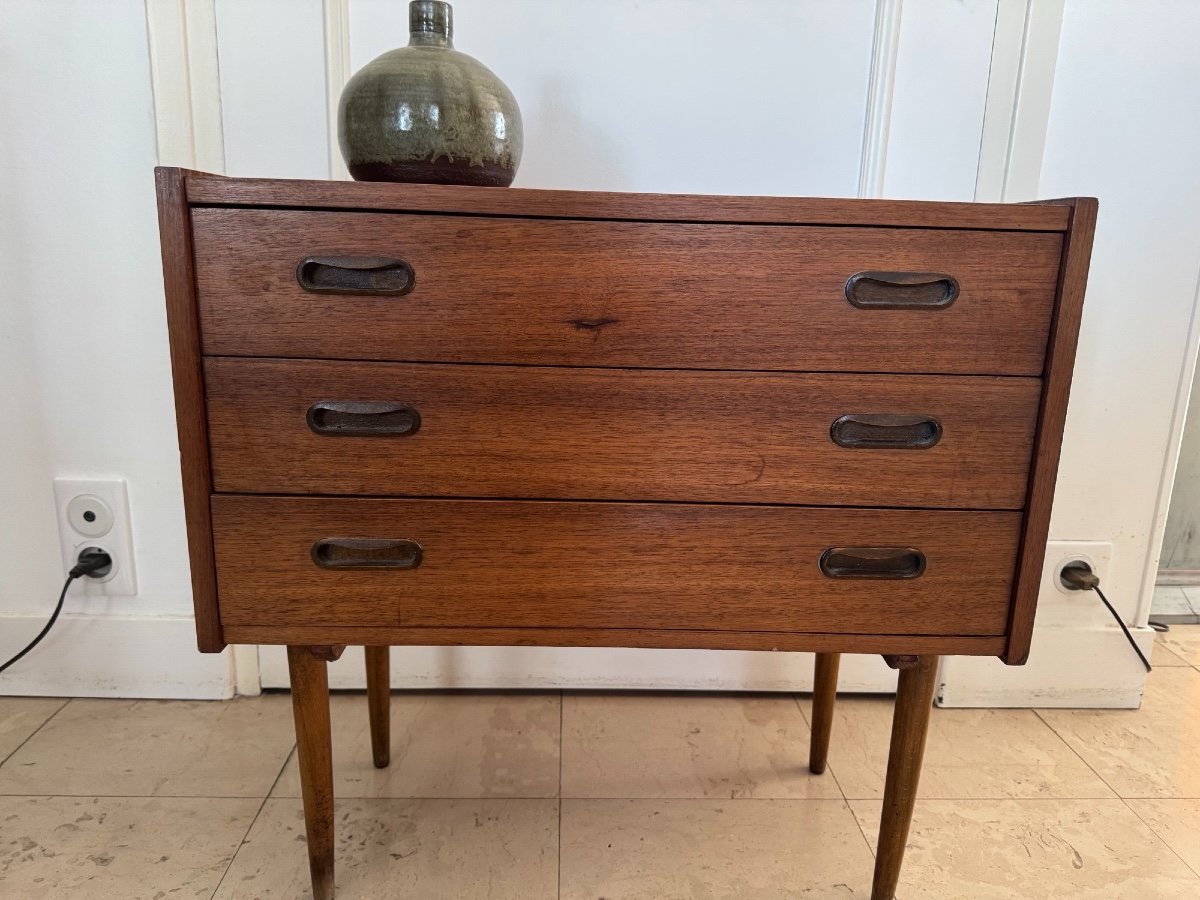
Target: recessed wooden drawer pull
[886,431]
[901,290]
[371,275]
[366,553]
[357,418]
[872,562]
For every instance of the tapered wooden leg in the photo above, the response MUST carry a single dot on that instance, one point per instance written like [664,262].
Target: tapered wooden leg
[378,695]
[310,704]
[824,692]
[910,723]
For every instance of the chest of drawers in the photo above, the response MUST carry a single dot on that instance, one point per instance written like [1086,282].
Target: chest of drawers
[436,415]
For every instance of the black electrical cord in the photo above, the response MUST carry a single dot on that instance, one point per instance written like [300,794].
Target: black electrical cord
[91,561]
[1080,577]
[1120,621]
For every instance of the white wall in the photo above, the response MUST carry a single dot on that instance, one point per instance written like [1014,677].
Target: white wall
[84,359]
[1122,127]
[920,98]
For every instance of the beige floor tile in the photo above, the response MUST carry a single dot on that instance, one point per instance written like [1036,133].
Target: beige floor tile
[1184,642]
[22,716]
[427,849]
[689,745]
[445,745]
[1011,849]
[1149,752]
[118,848]
[1164,656]
[1175,821]
[970,753]
[712,849]
[156,748]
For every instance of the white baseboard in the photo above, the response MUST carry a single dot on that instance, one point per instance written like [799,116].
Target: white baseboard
[587,668]
[114,656]
[1089,668]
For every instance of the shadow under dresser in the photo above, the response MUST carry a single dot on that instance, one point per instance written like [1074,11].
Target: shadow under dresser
[429,415]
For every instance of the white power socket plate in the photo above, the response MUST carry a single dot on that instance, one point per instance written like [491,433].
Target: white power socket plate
[77,500]
[1097,554]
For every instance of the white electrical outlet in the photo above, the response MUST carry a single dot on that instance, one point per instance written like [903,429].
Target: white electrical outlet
[1097,554]
[95,513]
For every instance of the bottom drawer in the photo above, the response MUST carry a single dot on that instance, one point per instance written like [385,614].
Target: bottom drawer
[530,564]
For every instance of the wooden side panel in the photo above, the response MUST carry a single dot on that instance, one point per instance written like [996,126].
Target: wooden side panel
[217,190]
[585,293]
[1056,391]
[179,282]
[519,564]
[504,431]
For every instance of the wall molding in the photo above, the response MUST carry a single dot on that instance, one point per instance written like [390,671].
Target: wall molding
[1166,481]
[1020,89]
[185,74]
[337,73]
[878,119]
[1008,48]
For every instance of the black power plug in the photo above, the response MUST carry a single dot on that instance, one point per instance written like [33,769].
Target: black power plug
[92,562]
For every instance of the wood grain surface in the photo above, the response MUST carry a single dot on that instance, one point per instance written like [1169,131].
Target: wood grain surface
[205,189]
[175,236]
[910,727]
[596,293]
[505,431]
[379,710]
[314,752]
[676,639]
[1056,391]
[503,564]
[824,695]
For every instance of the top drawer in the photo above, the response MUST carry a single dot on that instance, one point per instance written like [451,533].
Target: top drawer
[598,293]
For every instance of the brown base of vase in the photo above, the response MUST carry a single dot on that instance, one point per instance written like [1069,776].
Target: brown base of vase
[443,172]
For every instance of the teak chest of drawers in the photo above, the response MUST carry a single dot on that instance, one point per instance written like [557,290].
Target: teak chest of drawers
[418,414]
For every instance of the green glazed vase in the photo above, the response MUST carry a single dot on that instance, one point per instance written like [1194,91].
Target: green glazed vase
[428,113]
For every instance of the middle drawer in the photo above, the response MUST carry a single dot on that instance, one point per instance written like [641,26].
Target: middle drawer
[322,427]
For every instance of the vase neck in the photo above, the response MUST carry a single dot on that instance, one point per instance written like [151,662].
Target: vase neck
[430,23]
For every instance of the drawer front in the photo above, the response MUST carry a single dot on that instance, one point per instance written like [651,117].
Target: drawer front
[595,293]
[517,564]
[322,427]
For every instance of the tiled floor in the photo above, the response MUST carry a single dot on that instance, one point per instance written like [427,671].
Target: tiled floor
[1176,603]
[588,796]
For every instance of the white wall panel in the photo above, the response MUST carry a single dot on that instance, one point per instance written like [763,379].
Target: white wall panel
[646,95]
[1122,128]
[85,356]
[272,61]
[668,95]
[938,99]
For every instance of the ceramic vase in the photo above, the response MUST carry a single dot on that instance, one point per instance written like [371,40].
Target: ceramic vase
[429,113]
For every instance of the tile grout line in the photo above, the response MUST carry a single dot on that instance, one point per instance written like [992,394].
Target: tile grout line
[863,831]
[799,706]
[443,798]
[66,702]
[562,702]
[837,784]
[1078,755]
[253,820]
[828,767]
[1160,838]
